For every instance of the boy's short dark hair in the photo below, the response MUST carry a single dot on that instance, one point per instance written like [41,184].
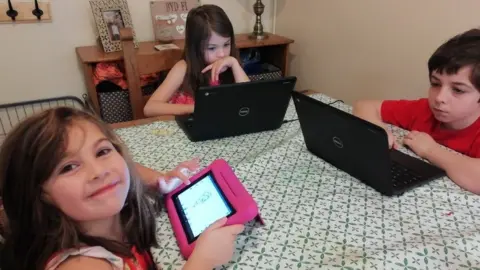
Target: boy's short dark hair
[460,51]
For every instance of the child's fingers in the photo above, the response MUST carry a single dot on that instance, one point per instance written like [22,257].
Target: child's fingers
[195,160]
[217,71]
[221,69]
[207,68]
[217,224]
[395,144]
[235,229]
[189,163]
[185,179]
[192,165]
[178,174]
[214,74]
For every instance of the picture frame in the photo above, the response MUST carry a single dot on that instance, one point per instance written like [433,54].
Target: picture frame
[110,16]
[169,18]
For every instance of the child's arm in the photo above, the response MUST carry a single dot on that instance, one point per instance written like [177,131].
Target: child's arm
[221,65]
[197,264]
[158,103]
[463,170]
[150,177]
[238,72]
[370,110]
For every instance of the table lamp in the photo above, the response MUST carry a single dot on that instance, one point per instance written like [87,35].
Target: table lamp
[258,33]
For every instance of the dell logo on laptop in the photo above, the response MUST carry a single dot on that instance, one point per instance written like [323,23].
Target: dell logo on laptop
[244,111]
[338,143]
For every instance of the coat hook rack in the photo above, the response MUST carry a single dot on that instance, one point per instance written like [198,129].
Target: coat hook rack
[37,11]
[23,11]
[12,13]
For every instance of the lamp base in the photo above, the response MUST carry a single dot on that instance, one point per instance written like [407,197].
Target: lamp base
[255,36]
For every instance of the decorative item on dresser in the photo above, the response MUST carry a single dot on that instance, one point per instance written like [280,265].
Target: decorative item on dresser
[273,51]
[169,17]
[111,16]
[258,9]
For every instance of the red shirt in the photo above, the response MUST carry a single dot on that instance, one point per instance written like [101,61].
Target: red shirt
[416,115]
[142,261]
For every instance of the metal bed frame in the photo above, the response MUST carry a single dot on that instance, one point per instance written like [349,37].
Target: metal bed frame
[13,113]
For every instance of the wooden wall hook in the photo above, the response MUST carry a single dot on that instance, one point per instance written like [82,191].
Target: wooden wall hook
[34,11]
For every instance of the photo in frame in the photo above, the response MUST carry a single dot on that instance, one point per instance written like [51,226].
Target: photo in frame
[111,16]
[169,17]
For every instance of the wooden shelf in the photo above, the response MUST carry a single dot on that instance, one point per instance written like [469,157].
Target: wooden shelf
[95,54]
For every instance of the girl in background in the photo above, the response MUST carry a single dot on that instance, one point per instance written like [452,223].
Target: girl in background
[210,58]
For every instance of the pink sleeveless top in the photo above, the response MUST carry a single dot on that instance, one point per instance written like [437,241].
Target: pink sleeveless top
[181,97]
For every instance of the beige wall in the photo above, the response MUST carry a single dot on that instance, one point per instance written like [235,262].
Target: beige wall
[370,48]
[38,60]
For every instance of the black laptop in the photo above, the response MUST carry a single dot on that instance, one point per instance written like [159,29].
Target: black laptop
[235,109]
[359,148]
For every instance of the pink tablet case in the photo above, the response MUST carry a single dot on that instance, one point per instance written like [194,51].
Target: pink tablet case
[239,198]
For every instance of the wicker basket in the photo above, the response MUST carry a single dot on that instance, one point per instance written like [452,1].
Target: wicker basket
[264,71]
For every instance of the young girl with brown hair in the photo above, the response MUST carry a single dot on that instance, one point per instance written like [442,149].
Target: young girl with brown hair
[74,200]
[210,58]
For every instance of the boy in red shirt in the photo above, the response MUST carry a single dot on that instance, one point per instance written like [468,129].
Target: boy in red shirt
[450,116]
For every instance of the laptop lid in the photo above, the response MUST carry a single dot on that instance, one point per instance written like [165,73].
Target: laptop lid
[349,143]
[241,108]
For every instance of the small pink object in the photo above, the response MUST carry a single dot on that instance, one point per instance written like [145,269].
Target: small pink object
[214,83]
[215,192]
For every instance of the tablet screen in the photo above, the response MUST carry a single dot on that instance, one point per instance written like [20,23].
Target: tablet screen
[200,205]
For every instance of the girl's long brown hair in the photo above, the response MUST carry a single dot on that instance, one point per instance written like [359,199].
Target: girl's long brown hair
[201,21]
[37,229]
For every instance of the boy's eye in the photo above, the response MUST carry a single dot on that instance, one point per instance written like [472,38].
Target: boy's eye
[67,168]
[103,152]
[227,44]
[211,48]
[458,91]
[435,84]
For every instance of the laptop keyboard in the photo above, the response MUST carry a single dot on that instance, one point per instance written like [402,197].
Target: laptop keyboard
[402,176]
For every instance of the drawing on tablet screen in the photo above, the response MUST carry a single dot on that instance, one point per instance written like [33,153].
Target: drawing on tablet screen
[202,205]
[201,200]
[205,196]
